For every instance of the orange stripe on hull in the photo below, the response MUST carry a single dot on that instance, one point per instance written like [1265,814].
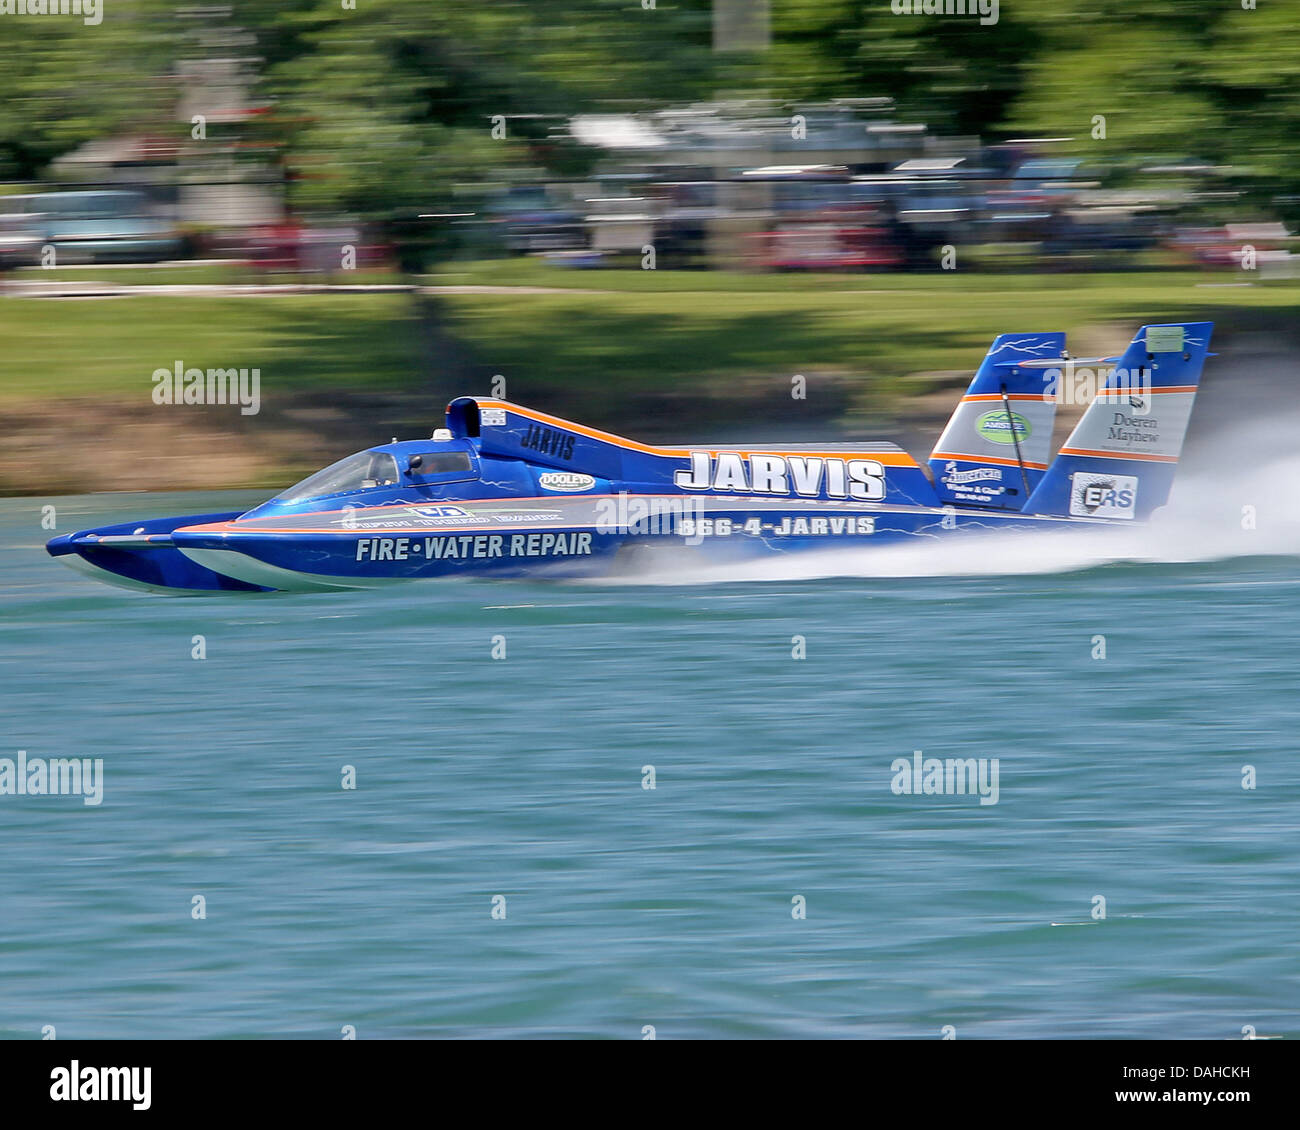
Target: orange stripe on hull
[888,458]
[988,459]
[1119,455]
[1105,395]
[1123,393]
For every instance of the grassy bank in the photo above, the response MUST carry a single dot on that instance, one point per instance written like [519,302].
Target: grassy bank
[717,339]
[72,348]
[648,352]
[602,333]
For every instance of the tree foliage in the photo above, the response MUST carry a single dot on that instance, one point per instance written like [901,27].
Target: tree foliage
[384,109]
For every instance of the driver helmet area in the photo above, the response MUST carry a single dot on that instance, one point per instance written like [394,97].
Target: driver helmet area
[388,470]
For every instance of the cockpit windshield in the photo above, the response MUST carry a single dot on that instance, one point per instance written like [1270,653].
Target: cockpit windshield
[356,472]
[449,465]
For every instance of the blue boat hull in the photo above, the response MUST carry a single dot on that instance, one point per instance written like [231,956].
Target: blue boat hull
[505,490]
[564,539]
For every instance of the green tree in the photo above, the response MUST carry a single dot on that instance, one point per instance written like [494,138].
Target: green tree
[65,82]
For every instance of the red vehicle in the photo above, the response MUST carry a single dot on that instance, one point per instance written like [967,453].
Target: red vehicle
[1228,246]
[822,223]
[834,240]
[295,247]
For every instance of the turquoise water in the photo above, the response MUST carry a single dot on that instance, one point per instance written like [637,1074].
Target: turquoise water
[625,907]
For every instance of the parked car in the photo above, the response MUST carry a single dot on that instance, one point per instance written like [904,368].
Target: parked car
[297,248]
[99,225]
[20,241]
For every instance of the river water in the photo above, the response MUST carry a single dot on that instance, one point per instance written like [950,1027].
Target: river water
[501,867]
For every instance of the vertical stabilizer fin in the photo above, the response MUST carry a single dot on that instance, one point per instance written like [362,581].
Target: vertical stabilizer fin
[1119,461]
[996,447]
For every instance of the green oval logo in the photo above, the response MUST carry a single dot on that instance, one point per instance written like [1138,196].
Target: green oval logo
[996,427]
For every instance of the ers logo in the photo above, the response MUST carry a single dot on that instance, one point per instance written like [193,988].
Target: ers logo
[1103,496]
[805,475]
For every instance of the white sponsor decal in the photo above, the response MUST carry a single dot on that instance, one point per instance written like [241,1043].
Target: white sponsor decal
[973,485]
[785,528]
[524,516]
[460,546]
[1103,496]
[953,477]
[806,475]
[440,511]
[1152,425]
[977,429]
[492,417]
[569,482]
[361,518]
[1165,339]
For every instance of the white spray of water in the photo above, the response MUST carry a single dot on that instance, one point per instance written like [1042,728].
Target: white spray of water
[1237,497]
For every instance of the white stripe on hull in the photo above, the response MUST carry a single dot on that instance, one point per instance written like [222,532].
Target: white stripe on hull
[229,563]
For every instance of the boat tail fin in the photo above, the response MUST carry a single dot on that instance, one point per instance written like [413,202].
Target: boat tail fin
[997,445]
[1119,461]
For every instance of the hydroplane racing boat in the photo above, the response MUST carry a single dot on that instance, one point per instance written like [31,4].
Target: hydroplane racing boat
[504,490]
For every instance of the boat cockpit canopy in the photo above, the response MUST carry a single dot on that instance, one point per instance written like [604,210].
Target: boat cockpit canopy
[368,470]
[361,471]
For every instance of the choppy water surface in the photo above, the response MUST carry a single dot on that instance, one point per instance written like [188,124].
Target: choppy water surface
[522,776]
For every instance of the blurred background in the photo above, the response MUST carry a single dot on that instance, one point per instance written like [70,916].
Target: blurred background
[651,216]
